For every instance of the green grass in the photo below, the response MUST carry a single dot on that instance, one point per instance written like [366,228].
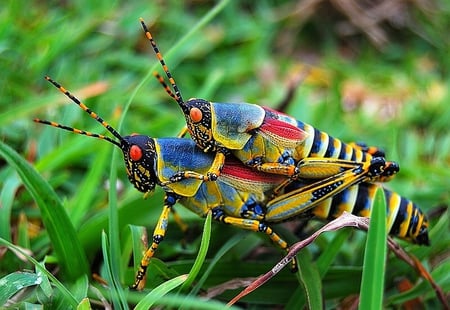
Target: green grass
[57,206]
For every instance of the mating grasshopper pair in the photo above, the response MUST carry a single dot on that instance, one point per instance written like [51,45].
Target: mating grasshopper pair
[270,168]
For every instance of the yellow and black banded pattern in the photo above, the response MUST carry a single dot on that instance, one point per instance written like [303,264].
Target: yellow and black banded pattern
[404,218]
[321,144]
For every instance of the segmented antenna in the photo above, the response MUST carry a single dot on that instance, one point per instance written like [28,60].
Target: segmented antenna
[177,96]
[77,131]
[164,85]
[88,111]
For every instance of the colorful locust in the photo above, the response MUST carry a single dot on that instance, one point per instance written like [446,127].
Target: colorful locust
[240,196]
[403,216]
[262,138]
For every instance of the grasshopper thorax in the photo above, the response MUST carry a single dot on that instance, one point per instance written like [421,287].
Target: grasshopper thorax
[140,156]
[199,122]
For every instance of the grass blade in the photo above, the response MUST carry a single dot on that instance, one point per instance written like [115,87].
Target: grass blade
[72,259]
[200,259]
[160,291]
[212,263]
[7,194]
[117,293]
[375,257]
[310,279]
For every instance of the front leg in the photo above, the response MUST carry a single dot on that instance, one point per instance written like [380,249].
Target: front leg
[212,174]
[158,236]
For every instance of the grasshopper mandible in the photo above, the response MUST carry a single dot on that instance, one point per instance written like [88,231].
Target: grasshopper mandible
[240,196]
[262,138]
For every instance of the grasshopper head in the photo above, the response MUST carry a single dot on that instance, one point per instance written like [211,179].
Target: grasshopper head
[199,122]
[140,156]
[138,151]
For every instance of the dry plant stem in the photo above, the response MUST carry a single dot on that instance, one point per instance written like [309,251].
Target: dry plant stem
[346,220]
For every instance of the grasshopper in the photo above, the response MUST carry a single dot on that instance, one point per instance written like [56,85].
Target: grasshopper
[262,138]
[240,196]
[403,216]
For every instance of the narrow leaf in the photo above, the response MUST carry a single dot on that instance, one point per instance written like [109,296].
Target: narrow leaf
[160,291]
[311,280]
[372,284]
[200,259]
[117,293]
[71,257]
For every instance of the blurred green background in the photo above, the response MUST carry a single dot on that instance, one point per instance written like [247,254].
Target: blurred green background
[378,72]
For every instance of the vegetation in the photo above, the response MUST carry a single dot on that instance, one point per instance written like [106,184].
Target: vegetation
[383,80]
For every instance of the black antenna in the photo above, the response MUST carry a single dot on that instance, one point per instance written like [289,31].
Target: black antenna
[164,85]
[77,131]
[177,96]
[88,111]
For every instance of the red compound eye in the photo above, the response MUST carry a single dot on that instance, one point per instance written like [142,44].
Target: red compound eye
[135,153]
[196,115]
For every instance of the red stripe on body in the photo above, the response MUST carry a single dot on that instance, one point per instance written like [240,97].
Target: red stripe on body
[236,169]
[283,129]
